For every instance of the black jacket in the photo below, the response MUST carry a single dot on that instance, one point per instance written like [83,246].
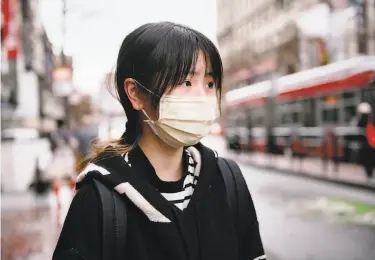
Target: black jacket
[157,229]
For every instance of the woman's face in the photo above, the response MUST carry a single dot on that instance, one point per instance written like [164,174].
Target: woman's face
[199,83]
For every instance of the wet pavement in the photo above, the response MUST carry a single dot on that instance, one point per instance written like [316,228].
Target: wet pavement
[298,221]
[30,226]
[300,218]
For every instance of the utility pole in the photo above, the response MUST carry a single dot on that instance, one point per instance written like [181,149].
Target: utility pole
[362,25]
[64,62]
[9,38]
[64,10]
[270,109]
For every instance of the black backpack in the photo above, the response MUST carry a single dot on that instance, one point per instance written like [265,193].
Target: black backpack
[114,230]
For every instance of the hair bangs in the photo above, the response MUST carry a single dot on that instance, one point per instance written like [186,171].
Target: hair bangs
[176,55]
[213,59]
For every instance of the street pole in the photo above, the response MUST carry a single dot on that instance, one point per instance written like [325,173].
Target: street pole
[13,82]
[64,63]
[64,10]
[270,108]
[362,25]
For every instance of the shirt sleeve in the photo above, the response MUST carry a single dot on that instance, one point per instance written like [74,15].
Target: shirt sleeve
[80,238]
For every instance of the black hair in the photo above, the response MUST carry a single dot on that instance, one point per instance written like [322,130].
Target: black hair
[157,56]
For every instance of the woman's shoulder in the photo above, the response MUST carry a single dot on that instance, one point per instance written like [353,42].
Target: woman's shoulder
[85,204]
[86,194]
[82,225]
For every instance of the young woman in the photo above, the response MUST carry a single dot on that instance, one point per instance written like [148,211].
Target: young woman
[168,79]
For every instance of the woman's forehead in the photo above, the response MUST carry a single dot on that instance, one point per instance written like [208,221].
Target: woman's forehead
[202,65]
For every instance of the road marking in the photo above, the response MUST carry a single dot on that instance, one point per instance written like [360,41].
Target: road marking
[336,210]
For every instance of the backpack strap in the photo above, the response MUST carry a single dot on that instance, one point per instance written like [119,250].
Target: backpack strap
[230,184]
[114,222]
[243,210]
[238,195]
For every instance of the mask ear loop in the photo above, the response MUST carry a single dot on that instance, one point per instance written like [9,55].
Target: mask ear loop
[148,118]
[144,88]
[123,137]
[152,93]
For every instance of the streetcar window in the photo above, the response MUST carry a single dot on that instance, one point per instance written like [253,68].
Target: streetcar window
[350,114]
[330,109]
[350,102]
[291,112]
[258,116]
[330,115]
[295,117]
[349,95]
[294,110]
[309,112]
[242,118]
[284,114]
[369,97]
[284,119]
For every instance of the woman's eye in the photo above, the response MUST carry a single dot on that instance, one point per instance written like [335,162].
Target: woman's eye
[211,85]
[187,84]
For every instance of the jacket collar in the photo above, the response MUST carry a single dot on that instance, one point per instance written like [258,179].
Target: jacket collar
[129,180]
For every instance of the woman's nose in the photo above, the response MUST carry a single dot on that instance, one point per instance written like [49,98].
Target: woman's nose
[200,90]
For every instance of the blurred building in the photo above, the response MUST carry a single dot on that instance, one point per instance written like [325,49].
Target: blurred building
[335,30]
[28,104]
[109,112]
[80,109]
[107,98]
[27,98]
[262,39]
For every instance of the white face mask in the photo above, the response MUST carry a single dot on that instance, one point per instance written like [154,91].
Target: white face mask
[184,121]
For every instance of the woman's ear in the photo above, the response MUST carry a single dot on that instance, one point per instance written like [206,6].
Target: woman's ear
[133,93]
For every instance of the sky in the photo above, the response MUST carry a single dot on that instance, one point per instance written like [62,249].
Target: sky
[96,28]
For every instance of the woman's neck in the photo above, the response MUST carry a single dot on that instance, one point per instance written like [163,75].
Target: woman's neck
[167,161]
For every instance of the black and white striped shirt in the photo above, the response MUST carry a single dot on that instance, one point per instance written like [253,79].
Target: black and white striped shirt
[179,192]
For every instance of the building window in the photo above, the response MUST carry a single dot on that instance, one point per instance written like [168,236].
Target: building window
[283,4]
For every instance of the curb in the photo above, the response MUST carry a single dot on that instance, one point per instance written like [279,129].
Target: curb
[363,186]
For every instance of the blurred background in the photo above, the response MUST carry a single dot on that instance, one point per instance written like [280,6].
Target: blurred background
[298,113]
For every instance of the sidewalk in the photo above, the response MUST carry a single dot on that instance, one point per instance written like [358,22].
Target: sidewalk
[30,226]
[346,173]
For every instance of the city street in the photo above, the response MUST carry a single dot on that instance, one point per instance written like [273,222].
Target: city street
[294,90]
[306,219]
[30,226]
[300,219]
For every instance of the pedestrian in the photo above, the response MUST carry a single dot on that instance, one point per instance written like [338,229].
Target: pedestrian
[176,194]
[40,186]
[367,142]
[61,168]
